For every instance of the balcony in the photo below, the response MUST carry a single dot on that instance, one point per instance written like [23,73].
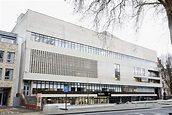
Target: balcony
[152,73]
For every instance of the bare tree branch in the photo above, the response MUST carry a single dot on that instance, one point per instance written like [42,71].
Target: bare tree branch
[111,12]
[147,3]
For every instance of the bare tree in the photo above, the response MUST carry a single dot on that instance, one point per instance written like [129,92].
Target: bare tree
[169,71]
[169,77]
[165,65]
[113,11]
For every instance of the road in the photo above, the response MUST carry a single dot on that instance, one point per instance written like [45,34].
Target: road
[152,111]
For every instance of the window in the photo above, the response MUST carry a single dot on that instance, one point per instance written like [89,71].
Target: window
[10,57]
[8,40]
[117,71]
[139,71]
[8,74]
[144,80]
[0,73]
[60,42]
[117,67]
[72,45]
[41,38]
[1,56]
[46,40]
[89,49]
[33,35]
[81,48]
[63,43]
[153,73]
[142,71]
[37,38]
[67,44]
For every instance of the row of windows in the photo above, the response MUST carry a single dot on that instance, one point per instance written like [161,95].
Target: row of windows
[85,48]
[7,39]
[58,64]
[59,86]
[10,57]
[8,74]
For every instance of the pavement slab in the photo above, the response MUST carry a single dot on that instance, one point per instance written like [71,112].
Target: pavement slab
[19,110]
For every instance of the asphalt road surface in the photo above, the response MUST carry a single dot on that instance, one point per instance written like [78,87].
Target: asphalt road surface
[152,111]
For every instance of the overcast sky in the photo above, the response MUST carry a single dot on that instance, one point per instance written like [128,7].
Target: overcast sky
[154,33]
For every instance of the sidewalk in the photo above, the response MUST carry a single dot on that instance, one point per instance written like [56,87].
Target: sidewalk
[17,111]
[99,108]
[55,109]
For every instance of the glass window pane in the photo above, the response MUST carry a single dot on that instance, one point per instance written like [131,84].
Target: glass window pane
[10,57]
[8,40]
[73,45]
[34,84]
[56,42]
[33,36]
[47,85]
[89,49]
[41,38]
[46,39]
[1,56]
[60,42]
[43,84]
[8,74]
[52,41]
[70,46]
[37,38]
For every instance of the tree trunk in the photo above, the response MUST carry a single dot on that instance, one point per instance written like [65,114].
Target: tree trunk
[168,7]
[170,25]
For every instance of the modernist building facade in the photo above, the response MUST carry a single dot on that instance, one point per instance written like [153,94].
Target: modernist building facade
[96,67]
[8,62]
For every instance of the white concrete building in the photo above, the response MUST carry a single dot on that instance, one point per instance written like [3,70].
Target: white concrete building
[96,67]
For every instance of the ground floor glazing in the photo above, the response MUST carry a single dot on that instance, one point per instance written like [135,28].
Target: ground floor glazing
[95,100]
[127,93]
[56,87]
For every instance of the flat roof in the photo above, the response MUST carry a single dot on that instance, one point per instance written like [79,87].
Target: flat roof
[8,34]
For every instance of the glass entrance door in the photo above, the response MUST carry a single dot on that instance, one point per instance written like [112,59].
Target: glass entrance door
[26,90]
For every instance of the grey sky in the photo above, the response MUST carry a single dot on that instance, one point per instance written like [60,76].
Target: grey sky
[154,33]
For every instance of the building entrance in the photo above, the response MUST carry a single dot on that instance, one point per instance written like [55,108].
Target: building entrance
[3,98]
